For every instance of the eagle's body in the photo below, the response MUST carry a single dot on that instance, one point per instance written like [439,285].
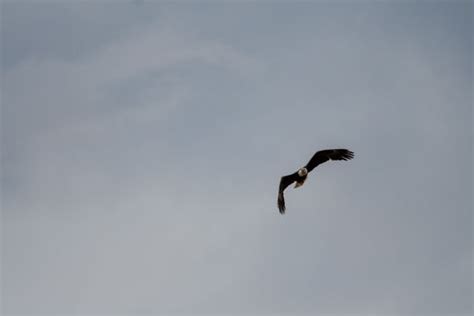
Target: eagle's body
[301,175]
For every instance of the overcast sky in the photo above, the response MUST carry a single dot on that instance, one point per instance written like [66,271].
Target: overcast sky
[143,143]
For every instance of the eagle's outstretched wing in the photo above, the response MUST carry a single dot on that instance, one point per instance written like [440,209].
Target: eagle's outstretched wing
[284,183]
[328,154]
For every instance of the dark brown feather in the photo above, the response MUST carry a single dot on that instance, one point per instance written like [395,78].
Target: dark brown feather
[329,154]
[284,183]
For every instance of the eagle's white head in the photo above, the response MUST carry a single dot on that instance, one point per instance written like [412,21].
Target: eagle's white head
[302,172]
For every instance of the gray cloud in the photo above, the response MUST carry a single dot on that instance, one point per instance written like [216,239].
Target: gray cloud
[139,176]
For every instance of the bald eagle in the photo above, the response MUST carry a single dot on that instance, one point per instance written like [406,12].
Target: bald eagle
[300,176]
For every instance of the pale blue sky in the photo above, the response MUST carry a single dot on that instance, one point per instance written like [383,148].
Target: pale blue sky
[143,143]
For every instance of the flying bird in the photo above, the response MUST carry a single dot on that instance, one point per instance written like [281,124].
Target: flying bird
[300,176]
